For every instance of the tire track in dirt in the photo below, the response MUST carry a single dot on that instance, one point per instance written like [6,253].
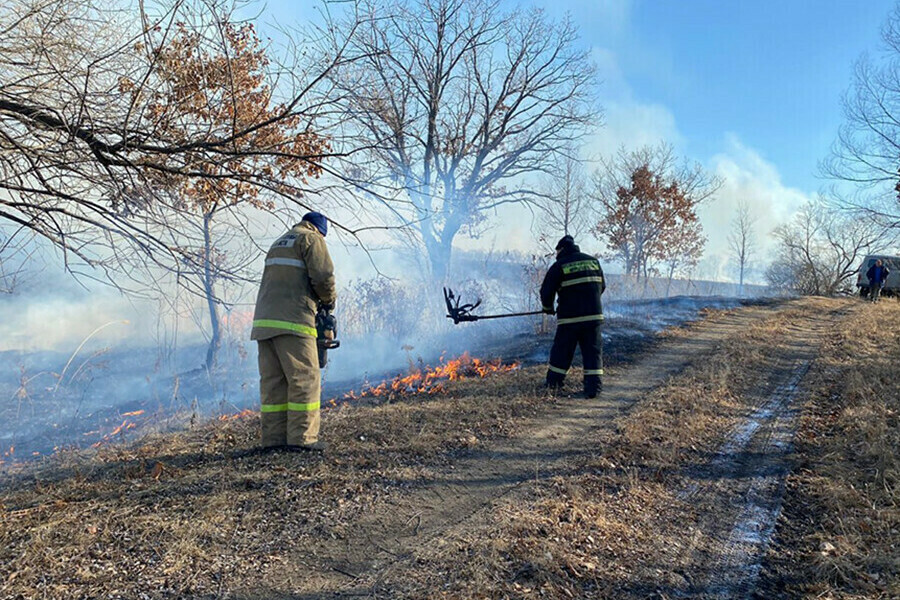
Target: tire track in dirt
[743,484]
[381,542]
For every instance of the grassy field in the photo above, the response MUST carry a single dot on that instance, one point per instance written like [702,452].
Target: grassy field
[189,515]
[839,535]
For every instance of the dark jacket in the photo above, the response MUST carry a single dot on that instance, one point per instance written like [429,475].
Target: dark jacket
[877,275]
[578,280]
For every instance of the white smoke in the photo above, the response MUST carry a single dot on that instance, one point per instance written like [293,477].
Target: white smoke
[749,177]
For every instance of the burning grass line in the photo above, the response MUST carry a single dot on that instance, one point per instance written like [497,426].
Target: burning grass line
[244,414]
[430,379]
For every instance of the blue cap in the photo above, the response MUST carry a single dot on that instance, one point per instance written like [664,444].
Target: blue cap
[319,220]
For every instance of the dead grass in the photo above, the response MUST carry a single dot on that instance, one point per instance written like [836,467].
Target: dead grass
[839,536]
[618,529]
[180,515]
[688,418]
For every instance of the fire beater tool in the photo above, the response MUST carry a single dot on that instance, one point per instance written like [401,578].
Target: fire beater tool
[463,312]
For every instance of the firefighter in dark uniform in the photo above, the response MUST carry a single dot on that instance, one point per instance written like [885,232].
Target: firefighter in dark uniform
[578,280]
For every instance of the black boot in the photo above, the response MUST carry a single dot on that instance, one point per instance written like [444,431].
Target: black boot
[592,391]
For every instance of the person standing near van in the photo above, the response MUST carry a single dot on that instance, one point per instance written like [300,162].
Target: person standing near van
[877,274]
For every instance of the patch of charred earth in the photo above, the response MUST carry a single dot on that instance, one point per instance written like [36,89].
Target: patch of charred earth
[76,416]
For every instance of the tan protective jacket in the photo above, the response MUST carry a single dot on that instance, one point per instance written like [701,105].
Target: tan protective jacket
[298,275]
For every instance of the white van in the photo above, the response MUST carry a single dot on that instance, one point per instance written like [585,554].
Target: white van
[891,286]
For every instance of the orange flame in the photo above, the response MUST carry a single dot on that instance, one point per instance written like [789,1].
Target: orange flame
[133,413]
[125,426]
[430,379]
[241,415]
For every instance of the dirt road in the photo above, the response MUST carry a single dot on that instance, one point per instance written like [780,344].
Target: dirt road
[389,540]
[669,485]
[741,484]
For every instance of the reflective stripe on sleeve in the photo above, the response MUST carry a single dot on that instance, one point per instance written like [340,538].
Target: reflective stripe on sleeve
[579,319]
[581,280]
[286,262]
[275,324]
[593,371]
[547,307]
[557,370]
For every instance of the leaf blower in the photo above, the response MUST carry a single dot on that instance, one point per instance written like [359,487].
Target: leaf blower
[326,334]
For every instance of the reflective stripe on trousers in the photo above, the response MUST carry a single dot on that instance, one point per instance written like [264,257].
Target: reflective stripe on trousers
[566,371]
[587,336]
[290,390]
[291,406]
[584,319]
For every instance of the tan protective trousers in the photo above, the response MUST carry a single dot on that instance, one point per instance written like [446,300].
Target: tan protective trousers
[290,389]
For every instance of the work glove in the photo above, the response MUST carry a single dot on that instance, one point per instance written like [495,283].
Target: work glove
[326,307]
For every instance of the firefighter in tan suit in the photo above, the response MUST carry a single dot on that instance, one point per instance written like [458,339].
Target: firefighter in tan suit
[297,280]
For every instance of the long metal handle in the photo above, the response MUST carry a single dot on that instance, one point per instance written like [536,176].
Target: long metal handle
[519,314]
[462,313]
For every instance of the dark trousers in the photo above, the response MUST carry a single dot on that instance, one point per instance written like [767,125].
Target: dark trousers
[586,335]
[874,290]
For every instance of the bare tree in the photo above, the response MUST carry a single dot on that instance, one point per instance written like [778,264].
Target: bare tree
[460,101]
[95,131]
[564,209]
[821,249]
[866,153]
[742,241]
[647,205]
[16,253]
[684,249]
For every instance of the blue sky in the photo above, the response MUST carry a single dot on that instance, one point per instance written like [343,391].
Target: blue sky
[769,72]
[751,89]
